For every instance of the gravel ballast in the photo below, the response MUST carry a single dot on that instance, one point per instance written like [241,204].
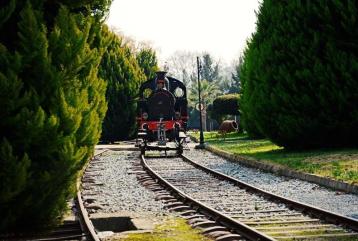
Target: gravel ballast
[110,185]
[302,191]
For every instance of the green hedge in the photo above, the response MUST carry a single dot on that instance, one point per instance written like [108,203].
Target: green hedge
[300,74]
[227,104]
[52,105]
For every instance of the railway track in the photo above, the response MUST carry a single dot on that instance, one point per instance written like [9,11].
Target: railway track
[79,229]
[252,213]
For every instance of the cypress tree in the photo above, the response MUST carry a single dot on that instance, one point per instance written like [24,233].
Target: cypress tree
[123,75]
[300,73]
[210,70]
[147,60]
[250,91]
[52,104]
[235,82]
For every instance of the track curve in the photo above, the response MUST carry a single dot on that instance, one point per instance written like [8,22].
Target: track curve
[253,213]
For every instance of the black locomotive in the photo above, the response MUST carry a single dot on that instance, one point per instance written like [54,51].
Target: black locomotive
[162,114]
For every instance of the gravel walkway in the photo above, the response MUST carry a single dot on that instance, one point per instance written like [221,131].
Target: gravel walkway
[306,192]
[110,185]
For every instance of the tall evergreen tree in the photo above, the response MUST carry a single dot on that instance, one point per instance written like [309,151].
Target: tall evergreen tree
[249,93]
[210,70]
[300,73]
[235,83]
[52,104]
[147,60]
[120,69]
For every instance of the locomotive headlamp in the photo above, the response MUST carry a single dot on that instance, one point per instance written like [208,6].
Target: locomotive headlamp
[177,115]
[178,92]
[145,115]
[145,126]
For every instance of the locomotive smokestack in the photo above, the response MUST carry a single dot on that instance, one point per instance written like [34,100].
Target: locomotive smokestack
[161,75]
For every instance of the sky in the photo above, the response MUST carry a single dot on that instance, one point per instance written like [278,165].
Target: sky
[219,27]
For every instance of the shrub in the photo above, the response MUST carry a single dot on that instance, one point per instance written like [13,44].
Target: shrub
[225,105]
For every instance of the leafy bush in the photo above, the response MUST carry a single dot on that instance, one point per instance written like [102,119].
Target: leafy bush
[300,74]
[225,105]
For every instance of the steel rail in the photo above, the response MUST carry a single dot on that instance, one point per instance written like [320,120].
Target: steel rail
[322,214]
[225,220]
[85,222]
[84,216]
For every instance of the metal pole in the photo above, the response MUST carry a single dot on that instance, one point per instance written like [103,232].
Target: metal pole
[201,143]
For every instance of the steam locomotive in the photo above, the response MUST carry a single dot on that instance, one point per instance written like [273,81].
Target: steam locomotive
[162,114]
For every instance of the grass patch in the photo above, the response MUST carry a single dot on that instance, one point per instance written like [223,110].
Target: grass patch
[173,229]
[340,164]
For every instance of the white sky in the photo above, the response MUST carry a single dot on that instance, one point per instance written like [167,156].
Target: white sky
[220,27]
